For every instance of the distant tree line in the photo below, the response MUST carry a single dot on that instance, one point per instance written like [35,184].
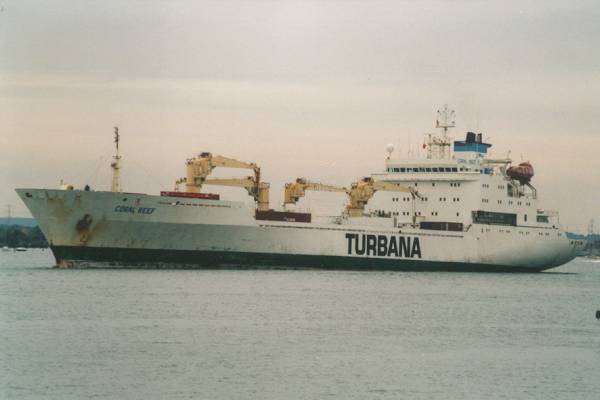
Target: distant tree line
[593,244]
[21,236]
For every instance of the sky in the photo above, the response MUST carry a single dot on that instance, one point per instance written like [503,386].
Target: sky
[315,89]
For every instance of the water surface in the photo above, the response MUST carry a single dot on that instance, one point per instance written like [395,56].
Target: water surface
[193,334]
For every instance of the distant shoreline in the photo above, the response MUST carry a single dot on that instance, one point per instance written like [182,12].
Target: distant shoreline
[15,235]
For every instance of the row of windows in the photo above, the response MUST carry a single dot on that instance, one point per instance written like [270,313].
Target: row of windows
[510,202]
[397,199]
[426,169]
[417,213]
[519,203]
[520,232]
[487,185]
[502,187]
[452,184]
[405,213]
[455,199]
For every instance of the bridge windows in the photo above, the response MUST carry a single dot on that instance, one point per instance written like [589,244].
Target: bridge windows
[494,218]
[426,169]
[542,219]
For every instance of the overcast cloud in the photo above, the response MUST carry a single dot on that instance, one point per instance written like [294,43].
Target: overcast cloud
[303,88]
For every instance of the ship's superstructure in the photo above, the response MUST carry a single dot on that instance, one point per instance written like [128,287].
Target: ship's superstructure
[455,209]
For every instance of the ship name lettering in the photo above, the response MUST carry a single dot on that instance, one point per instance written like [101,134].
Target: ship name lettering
[132,210]
[382,245]
[125,209]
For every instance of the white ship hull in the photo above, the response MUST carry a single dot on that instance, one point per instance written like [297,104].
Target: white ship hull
[86,228]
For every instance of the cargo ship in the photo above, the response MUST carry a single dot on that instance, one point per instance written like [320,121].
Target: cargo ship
[454,209]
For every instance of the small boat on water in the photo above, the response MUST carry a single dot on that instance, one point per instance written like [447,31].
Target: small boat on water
[20,249]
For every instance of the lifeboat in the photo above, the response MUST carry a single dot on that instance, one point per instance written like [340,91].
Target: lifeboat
[522,173]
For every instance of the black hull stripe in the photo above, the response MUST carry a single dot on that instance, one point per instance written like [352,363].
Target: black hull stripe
[154,258]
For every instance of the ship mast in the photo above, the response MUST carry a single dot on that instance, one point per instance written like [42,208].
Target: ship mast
[116,165]
[590,241]
[439,146]
[445,119]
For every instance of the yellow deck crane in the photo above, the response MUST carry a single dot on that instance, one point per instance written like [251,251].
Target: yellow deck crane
[198,168]
[258,190]
[294,191]
[362,191]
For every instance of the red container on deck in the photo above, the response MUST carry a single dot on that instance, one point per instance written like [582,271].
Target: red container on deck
[287,216]
[187,195]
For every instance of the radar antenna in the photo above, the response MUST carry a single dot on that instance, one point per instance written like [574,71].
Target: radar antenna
[439,146]
[445,119]
[116,165]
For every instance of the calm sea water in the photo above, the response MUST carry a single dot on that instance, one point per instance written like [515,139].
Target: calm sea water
[190,334]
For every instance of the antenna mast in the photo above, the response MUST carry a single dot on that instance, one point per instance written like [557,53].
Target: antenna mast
[439,146]
[445,119]
[116,165]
